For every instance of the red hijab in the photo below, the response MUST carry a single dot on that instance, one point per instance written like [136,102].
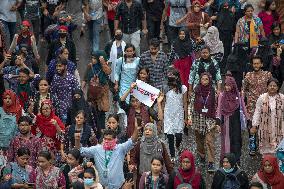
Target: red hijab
[44,124]
[276,178]
[230,101]
[15,108]
[187,175]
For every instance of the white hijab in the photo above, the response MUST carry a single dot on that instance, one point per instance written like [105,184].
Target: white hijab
[212,40]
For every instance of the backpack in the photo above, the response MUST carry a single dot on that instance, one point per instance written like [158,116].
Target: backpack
[231,180]
[184,185]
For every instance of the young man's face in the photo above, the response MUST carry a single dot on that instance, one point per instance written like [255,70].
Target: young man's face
[154,50]
[60,68]
[24,127]
[23,78]
[256,64]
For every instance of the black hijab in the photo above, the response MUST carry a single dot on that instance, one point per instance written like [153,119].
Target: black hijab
[184,47]
[225,19]
[231,158]
[265,51]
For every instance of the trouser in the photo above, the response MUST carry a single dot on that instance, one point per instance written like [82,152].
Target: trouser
[94,31]
[9,30]
[171,141]
[134,39]
[111,28]
[207,140]
[153,27]
[172,33]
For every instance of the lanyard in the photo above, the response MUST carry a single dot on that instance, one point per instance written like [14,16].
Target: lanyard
[107,157]
[204,101]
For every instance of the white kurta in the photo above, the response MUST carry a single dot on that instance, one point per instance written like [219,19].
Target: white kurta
[174,112]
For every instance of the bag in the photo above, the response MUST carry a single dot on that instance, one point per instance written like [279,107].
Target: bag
[184,185]
[203,30]
[231,180]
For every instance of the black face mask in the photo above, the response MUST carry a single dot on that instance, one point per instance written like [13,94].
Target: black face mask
[118,37]
[62,35]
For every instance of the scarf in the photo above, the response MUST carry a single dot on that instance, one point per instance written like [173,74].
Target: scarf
[212,40]
[205,98]
[45,126]
[183,48]
[264,131]
[109,144]
[149,147]
[131,118]
[161,183]
[265,51]
[230,100]
[15,108]
[274,179]
[253,35]
[113,57]
[78,104]
[97,68]
[187,175]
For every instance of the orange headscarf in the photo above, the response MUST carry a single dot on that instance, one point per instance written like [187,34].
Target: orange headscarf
[15,108]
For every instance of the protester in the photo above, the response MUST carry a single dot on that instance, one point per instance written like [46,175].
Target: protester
[114,124]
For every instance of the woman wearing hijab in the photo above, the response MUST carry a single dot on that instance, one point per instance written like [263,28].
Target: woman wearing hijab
[265,51]
[212,40]
[228,113]
[49,127]
[268,118]
[197,20]
[9,114]
[181,55]
[148,147]
[231,173]
[226,25]
[79,103]
[203,119]
[96,78]
[186,173]
[269,174]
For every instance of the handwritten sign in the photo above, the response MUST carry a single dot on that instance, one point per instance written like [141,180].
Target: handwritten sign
[145,93]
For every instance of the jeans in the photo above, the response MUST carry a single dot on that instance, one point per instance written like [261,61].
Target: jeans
[9,30]
[94,30]
[153,28]
[134,39]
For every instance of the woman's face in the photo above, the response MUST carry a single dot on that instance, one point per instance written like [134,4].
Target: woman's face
[64,55]
[185,164]
[181,35]
[249,12]
[7,100]
[156,166]
[43,162]
[205,54]
[80,119]
[88,176]
[46,110]
[272,6]
[129,52]
[135,103]
[112,123]
[276,31]
[43,87]
[196,8]
[272,88]
[228,88]
[226,163]
[23,160]
[267,167]
[148,132]
[71,160]
[94,60]
[205,80]
[23,77]
[143,75]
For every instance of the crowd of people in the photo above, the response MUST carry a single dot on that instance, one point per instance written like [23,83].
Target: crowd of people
[220,71]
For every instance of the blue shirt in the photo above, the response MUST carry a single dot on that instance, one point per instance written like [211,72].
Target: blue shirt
[8,128]
[114,169]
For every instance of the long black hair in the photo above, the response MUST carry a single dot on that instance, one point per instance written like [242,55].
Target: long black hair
[266,8]
[174,80]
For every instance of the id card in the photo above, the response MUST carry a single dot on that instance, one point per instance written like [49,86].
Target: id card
[204,110]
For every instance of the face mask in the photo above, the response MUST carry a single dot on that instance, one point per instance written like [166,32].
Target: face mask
[62,35]
[89,181]
[228,170]
[109,144]
[118,36]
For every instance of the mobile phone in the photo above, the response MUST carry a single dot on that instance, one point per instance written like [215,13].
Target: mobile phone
[281,42]
[129,176]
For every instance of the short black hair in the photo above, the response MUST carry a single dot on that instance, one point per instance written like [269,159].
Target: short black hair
[159,158]
[25,119]
[91,171]
[23,151]
[248,6]
[256,57]
[256,184]
[273,80]
[25,71]
[76,154]
[46,154]
[109,132]
[155,42]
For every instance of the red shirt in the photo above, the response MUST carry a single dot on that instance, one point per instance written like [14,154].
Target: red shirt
[267,21]
[111,14]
